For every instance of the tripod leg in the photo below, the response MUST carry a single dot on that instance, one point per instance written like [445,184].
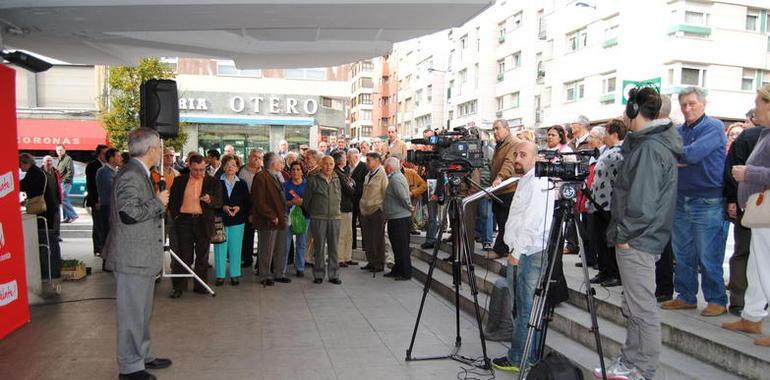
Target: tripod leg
[589,294]
[428,282]
[190,271]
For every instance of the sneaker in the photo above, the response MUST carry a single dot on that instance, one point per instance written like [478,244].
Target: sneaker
[618,370]
[487,246]
[503,364]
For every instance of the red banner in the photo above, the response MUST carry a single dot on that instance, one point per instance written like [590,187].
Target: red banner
[14,306]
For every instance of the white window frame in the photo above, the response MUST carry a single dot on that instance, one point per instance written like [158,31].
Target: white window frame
[692,12]
[517,19]
[609,78]
[255,73]
[501,66]
[577,88]
[702,71]
[577,40]
[516,59]
[751,76]
[755,14]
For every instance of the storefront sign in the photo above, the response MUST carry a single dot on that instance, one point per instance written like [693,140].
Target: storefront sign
[273,105]
[224,103]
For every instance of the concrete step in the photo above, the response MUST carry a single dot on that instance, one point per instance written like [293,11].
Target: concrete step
[571,336]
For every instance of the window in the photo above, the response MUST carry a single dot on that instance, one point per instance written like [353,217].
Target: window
[449,89]
[611,32]
[693,77]
[696,18]
[429,93]
[366,115]
[541,34]
[467,108]
[227,68]
[463,76]
[501,32]
[608,85]
[476,76]
[508,101]
[747,81]
[326,102]
[516,20]
[500,103]
[417,97]
[516,59]
[500,68]
[364,98]
[574,91]
[464,42]
[314,74]
[765,78]
[752,20]
[577,40]
[670,77]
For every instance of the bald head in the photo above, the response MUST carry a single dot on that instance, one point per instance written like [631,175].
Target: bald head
[526,155]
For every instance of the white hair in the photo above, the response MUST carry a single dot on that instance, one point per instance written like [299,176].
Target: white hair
[140,141]
[598,131]
[699,93]
[393,163]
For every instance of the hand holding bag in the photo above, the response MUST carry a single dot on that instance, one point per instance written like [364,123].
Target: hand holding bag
[220,235]
[36,205]
[757,212]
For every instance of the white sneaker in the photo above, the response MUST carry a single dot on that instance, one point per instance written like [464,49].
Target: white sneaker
[618,370]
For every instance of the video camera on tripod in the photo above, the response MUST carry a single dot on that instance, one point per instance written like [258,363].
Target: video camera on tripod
[460,147]
[555,166]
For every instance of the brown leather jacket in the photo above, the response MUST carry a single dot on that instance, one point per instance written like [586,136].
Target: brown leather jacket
[269,202]
[502,161]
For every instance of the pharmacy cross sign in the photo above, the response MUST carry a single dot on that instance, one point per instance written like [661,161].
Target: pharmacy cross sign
[629,84]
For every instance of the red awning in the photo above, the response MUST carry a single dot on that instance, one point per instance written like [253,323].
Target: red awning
[45,134]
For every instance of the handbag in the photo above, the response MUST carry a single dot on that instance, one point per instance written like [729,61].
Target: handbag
[220,235]
[298,224]
[757,212]
[36,205]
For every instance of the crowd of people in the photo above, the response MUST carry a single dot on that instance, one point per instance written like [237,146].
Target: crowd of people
[656,210]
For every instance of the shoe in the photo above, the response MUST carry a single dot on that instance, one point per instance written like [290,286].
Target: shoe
[569,251]
[200,291]
[300,274]
[449,259]
[447,240]
[336,281]
[735,310]
[763,341]
[283,280]
[579,264]
[492,255]
[140,375]
[176,293]
[503,364]
[611,282]
[351,262]
[390,274]
[158,363]
[318,281]
[366,267]
[245,265]
[598,279]
[414,232]
[343,264]
[390,265]
[219,282]
[376,270]
[743,325]
[618,370]
[401,278]
[235,281]
[677,304]
[713,310]
[663,298]
[487,247]
[426,245]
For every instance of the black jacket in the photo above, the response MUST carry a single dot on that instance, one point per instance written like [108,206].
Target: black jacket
[92,198]
[347,189]
[644,198]
[359,174]
[34,183]
[241,198]
[211,186]
[739,152]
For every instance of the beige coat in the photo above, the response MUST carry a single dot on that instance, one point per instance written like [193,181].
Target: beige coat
[374,192]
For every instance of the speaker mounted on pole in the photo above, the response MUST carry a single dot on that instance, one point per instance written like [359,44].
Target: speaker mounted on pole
[159,107]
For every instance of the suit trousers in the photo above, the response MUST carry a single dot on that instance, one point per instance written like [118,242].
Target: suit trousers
[247,251]
[664,272]
[345,244]
[97,231]
[356,220]
[738,282]
[133,300]
[271,254]
[373,231]
[501,216]
[193,240]
[608,263]
[326,232]
[398,233]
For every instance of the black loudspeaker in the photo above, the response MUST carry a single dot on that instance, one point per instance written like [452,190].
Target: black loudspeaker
[159,107]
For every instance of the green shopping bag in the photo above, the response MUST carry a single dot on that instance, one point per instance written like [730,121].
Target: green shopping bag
[297,220]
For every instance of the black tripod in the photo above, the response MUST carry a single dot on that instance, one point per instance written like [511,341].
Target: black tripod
[564,215]
[461,254]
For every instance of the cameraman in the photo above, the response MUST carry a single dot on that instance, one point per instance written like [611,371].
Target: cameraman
[432,225]
[643,204]
[502,169]
[526,228]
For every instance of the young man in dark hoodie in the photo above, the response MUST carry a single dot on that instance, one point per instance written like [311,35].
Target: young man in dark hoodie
[643,206]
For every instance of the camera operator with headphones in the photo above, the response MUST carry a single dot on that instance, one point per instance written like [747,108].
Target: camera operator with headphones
[643,204]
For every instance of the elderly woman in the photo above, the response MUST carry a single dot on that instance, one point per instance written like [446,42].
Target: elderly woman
[732,132]
[234,212]
[754,178]
[294,190]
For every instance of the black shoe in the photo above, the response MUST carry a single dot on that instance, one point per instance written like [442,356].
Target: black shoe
[283,280]
[611,282]
[426,245]
[343,264]
[267,282]
[158,363]
[664,298]
[389,274]
[176,293]
[219,282]
[351,262]
[200,291]
[402,278]
[235,281]
[318,281]
[140,375]
[336,281]
[414,232]
[598,279]
[376,270]
[300,274]
[366,267]
[579,264]
[245,265]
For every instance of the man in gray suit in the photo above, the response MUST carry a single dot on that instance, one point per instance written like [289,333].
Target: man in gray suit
[398,208]
[134,252]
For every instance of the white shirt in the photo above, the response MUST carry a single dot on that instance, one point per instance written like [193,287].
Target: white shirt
[530,216]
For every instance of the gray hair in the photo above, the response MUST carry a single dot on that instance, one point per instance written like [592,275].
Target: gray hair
[393,163]
[599,131]
[665,107]
[582,119]
[699,92]
[140,141]
[353,151]
[290,154]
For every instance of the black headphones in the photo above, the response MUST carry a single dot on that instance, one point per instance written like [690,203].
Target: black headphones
[632,107]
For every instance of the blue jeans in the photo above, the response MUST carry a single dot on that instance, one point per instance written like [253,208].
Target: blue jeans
[522,282]
[299,248]
[485,221]
[700,232]
[69,211]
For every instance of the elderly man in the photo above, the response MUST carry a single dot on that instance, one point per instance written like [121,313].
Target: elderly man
[134,252]
[229,149]
[39,182]
[397,208]
[322,200]
[323,147]
[347,188]
[195,199]
[105,177]
[502,169]
[92,197]
[528,222]
[358,175]
[580,128]
[66,168]
[269,219]
[396,147]
[701,229]
[247,173]
[372,217]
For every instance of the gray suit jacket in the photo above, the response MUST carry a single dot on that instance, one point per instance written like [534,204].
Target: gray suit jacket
[135,242]
[397,201]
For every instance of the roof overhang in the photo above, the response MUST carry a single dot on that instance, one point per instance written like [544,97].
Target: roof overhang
[254,33]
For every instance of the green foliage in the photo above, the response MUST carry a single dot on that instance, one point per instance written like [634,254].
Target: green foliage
[122,114]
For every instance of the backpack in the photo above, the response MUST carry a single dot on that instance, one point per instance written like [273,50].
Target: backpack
[555,367]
